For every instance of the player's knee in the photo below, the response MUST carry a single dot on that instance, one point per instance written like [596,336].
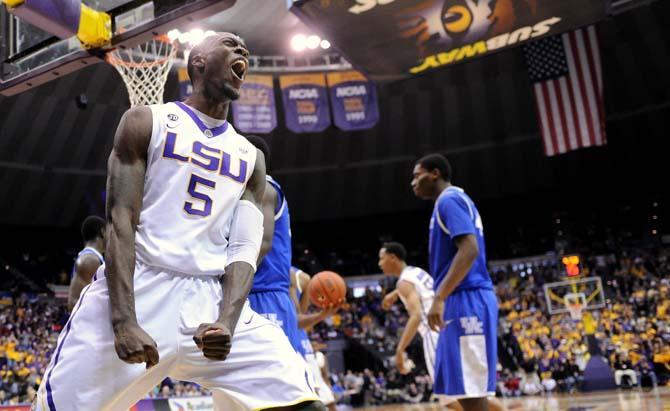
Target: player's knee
[474,404]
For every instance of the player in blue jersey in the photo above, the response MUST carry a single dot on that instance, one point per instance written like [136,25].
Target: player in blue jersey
[465,309]
[269,295]
[89,259]
[299,284]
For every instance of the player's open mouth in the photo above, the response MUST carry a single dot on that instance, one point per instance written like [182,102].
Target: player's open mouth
[239,68]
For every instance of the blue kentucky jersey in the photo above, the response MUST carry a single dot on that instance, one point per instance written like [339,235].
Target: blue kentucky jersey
[454,215]
[273,272]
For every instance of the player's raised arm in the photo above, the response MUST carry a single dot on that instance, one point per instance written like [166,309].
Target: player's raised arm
[246,235]
[125,186]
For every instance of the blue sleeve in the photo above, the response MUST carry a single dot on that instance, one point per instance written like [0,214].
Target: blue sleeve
[455,214]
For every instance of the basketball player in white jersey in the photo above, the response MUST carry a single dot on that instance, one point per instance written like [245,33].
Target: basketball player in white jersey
[415,290]
[89,259]
[184,230]
[315,358]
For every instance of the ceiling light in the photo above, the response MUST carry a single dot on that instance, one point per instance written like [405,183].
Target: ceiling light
[313,41]
[325,44]
[299,42]
[173,34]
[197,36]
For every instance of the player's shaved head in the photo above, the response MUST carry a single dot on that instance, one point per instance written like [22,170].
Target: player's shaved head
[200,50]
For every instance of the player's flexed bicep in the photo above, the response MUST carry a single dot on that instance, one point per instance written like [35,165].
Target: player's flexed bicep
[125,187]
[246,235]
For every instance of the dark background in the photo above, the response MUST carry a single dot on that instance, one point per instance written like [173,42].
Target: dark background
[349,190]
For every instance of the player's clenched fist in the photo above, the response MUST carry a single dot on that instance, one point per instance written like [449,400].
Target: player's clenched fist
[214,340]
[133,345]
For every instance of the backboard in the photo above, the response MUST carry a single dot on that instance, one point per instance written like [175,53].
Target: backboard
[587,292]
[30,56]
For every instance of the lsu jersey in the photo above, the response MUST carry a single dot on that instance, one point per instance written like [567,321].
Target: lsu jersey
[197,170]
[454,215]
[423,284]
[273,271]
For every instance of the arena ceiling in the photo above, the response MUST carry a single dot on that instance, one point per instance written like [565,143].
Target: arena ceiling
[266,26]
[54,148]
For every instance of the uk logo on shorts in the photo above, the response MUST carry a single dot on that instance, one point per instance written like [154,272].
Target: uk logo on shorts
[472,325]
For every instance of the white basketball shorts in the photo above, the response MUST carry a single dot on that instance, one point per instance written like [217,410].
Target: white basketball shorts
[85,373]
[322,389]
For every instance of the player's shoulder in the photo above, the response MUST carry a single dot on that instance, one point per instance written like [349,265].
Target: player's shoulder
[453,196]
[409,271]
[137,117]
[87,262]
[245,146]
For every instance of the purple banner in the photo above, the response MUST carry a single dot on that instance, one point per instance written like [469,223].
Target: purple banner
[305,102]
[255,111]
[354,100]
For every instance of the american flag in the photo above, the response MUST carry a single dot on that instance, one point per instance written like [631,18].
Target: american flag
[568,88]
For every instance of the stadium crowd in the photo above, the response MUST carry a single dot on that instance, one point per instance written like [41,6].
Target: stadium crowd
[538,352]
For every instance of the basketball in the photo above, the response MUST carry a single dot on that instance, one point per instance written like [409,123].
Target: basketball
[327,288]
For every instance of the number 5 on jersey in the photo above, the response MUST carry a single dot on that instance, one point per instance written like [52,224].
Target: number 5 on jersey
[193,185]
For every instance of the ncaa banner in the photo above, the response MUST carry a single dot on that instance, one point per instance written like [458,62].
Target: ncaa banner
[305,102]
[395,39]
[185,86]
[255,111]
[353,99]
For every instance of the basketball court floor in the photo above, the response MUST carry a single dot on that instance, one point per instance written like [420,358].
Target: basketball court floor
[633,400]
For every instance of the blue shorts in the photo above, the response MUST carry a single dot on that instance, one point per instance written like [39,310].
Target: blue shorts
[465,365]
[278,307]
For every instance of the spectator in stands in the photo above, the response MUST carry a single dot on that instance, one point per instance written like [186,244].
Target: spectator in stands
[647,376]
[661,360]
[623,368]
[413,394]
[546,374]
[530,383]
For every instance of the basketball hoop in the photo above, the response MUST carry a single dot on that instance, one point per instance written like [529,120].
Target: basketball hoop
[144,69]
[575,310]
[575,303]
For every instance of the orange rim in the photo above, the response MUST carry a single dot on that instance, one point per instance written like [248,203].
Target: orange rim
[112,59]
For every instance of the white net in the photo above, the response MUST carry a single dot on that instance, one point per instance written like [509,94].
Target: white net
[575,303]
[144,69]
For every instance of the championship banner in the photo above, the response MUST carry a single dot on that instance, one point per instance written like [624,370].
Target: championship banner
[395,39]
[185,86]
[353,99]
[255,111]
[305,102]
